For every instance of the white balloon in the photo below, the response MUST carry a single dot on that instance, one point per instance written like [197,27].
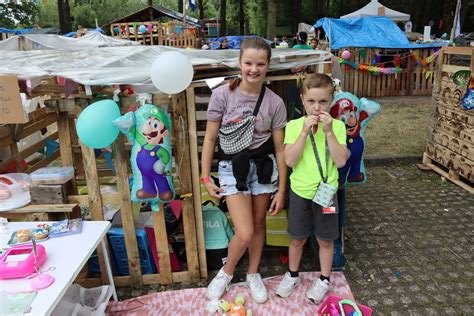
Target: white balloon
[171,72]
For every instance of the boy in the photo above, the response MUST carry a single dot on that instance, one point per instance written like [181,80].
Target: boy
[315,146]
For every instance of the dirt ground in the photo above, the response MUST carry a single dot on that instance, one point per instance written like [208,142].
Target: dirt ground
[409,233]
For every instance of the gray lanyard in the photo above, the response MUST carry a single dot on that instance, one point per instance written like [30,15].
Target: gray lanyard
[313,143]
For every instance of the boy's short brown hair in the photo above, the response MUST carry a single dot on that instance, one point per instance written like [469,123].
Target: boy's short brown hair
[317,81]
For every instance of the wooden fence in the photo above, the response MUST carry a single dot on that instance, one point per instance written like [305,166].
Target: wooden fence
[410,82]
[172,33]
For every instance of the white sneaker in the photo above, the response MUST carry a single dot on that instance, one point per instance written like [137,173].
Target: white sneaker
[287,285]
[219,285]
[318,291]
[258,290]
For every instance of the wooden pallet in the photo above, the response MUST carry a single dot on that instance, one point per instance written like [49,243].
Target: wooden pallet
[449,174]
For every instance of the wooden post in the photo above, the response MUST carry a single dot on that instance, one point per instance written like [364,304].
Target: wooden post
[134,267]
[65,145]
[184,174]
[193,151]
[161,238]
[95,199]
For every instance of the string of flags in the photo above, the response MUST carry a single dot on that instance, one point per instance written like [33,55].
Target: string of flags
[377,66]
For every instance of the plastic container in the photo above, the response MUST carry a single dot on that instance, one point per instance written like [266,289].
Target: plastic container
[52,175]
[14,191]
[18,262]
[325,306]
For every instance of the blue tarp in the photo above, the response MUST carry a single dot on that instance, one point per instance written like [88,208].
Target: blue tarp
[16,32]
[233,42]
[374,32]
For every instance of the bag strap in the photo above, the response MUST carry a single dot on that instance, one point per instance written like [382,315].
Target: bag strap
[259,101]
[318,161]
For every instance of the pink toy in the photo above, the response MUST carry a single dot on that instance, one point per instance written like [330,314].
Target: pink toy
[19,262]
[330,306]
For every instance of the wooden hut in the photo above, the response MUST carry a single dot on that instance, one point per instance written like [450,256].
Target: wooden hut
[156,25]
[66,97]
[382,61]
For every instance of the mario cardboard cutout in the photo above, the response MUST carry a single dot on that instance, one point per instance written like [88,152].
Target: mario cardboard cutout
[149,130]
[355,113]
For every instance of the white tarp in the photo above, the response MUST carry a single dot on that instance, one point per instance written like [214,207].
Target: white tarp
[57,42]
[372,8]
[131,65]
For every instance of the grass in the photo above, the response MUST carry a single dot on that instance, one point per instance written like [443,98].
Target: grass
[400,129]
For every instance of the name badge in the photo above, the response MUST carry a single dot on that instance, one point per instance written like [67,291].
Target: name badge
[324,195]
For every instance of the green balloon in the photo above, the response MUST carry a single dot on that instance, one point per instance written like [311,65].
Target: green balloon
[95,125]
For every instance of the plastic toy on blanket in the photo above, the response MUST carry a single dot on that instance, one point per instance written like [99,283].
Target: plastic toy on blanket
[149,130]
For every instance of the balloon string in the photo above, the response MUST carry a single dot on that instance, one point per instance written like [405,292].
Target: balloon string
[182,143]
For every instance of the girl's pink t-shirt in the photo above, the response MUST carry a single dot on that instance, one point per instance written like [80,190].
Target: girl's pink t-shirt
[231,106]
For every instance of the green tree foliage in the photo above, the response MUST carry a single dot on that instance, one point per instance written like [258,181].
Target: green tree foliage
[289,13]
[14,15]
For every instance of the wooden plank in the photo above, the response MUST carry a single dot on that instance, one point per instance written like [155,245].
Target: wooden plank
[461,131]
[47,208]
[357,78]
[451,160]
[191,107]
[107,198]
[448,175]
[457,114]
[44,212]
[450,68]
[77,157]
[458,50]
[39,125]
[124,281]
[162,247]
[184,176]
[95,199]
[454,144]
[120,163]
[44,162]
[65,145]
[25,153]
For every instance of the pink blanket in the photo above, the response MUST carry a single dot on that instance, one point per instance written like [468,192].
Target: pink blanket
[194,301]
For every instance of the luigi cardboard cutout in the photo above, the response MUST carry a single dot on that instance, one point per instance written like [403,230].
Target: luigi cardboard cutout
[149,130]
[355,113]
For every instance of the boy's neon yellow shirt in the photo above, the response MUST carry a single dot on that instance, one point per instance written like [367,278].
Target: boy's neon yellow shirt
[305,178]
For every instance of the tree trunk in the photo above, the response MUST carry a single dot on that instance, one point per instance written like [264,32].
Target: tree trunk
[64,16]
[180,6]
[241,17]
[448,15]
[201,9]
[222,18]
[271,18]
[296,16]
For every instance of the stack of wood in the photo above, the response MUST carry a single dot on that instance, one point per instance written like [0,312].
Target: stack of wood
[450,148]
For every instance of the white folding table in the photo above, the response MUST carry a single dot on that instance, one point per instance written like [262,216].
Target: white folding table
[67,255]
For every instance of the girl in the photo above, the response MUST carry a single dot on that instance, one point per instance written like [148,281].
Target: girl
[249,178]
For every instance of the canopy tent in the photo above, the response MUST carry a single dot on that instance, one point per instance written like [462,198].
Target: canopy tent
[374,8]
[131,64]
[375,32]
[51,41]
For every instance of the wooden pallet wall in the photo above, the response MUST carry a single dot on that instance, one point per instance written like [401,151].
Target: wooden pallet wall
[450,147]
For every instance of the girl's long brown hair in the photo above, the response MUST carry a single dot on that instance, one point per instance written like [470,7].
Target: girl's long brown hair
[255,43]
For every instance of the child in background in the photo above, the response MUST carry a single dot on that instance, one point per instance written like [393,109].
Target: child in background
[315,146]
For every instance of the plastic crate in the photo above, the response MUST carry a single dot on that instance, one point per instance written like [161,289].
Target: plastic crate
[93,263]
[117,245]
